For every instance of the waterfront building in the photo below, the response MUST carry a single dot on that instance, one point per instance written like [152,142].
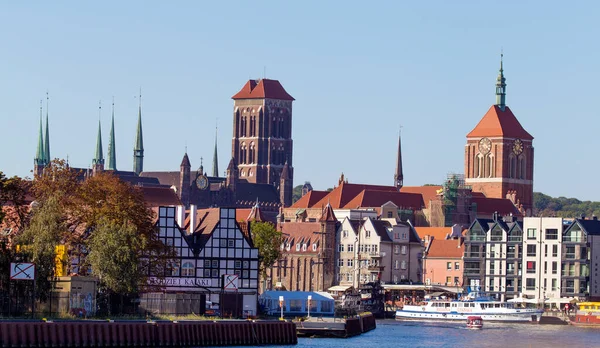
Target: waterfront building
[443,255]
[215,262]
[493,256]
[581,259]
[308,254]
[371,249]
[542,255]
[499,154]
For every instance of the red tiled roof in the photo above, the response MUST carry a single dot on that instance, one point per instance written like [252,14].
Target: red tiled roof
[309,199]
[439,233]
[446,248]
[428,192]
[302,231]
[261,89]
[159,196]
[491,205]
[328,214]
[498,123]
[373,198]
[340,196]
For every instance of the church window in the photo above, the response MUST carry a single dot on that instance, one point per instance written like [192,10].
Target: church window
[250,172]
[522,167]
[252,153]
[479,166]
[490,166]
[243,173]
[512,167]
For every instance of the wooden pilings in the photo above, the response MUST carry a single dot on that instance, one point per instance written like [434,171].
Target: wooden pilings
[143,334]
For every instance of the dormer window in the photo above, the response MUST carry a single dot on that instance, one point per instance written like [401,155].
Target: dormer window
[288,247]
[304,247]
[298,247]
[314,247]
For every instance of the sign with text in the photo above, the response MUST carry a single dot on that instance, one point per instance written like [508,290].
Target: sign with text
[180,282]
[230,281]
[22,271]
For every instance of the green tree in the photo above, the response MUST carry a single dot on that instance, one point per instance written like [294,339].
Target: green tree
[114,256]
[297,193]
[268,241]
[38,241]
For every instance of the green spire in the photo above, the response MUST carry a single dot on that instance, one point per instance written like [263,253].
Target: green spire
[40,159]
[112,153]
[501,86]
[215,169]
[99,157]
[138,150]
[47,157]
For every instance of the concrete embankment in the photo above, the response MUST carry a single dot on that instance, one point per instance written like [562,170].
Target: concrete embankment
[144,334]
[329,327]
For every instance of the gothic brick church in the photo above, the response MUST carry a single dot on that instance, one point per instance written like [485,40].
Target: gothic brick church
[260,169]
[499,154]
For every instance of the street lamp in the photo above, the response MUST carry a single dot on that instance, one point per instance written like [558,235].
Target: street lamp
[309,299]
[281,305]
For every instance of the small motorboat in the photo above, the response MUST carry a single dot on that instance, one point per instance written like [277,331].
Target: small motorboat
[474,322]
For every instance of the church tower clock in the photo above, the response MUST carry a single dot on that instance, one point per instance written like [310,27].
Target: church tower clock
[499,154]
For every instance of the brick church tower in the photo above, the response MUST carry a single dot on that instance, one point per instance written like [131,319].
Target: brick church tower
[499,154]
[262,132]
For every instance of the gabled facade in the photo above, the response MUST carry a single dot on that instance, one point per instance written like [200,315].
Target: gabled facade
[581,259]
[209,247]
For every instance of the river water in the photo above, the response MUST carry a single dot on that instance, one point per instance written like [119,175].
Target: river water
[391,333]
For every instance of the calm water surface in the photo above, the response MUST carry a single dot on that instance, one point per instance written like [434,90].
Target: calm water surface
[390,333]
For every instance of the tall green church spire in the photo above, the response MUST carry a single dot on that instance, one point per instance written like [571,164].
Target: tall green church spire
[40,159]
[47,137]
[112,153]
[138,150]
[501,86]
[215,168]
[99,156]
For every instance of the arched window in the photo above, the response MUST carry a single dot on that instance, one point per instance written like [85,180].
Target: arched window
[491,166]
[522,167]
[479,166]
[252,153]
[243,152]
[512,166]
[188,270]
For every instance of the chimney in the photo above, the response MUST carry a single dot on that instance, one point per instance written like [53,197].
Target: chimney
[193,214]
[180,215]
[582,216]
[594,217]
[495,216]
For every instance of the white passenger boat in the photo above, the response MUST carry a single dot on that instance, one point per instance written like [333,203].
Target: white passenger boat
[472,305]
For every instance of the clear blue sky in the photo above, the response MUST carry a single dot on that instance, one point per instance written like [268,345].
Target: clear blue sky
[357,70]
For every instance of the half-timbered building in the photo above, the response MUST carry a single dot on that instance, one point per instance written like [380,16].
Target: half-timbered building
[216,263]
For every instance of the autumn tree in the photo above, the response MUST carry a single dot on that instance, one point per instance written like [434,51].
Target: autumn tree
[268,241]
[13,209]
[38,240]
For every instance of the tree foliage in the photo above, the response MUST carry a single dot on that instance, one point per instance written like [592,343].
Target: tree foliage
[106,218]
[114,256]
[38,241]
[545,205]
[268,241]
[297,193]
[12,201]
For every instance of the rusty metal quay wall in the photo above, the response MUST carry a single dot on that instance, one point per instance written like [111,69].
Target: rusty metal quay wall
[143,334]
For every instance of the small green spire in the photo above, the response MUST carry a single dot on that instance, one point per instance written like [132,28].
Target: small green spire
[40,159]
[47,157]
[215,168]
[138,150]
[501,86]
[112,153]
[99,157]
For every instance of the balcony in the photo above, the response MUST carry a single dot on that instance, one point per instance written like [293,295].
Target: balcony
[474,255]
[374,254]
[375,268]
[471,271]
[570,256]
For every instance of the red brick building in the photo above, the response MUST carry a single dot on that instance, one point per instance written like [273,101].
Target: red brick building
[499,154]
